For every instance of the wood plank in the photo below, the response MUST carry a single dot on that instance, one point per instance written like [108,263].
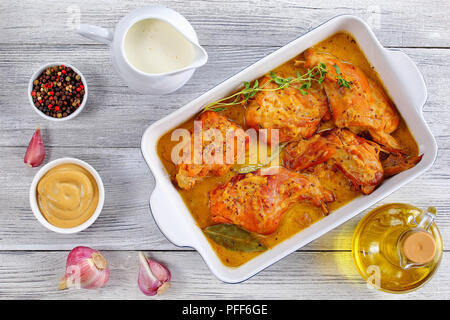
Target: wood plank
[244,23]
[125,115]
[126,223]
[305,275]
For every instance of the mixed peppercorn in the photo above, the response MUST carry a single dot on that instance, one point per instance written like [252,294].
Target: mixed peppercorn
[58,91]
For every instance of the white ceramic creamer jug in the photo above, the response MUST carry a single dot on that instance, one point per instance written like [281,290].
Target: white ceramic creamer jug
[139,79]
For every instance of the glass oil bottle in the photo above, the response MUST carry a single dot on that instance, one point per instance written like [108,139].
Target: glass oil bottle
[397,247]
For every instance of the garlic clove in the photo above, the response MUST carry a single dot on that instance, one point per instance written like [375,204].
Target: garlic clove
[154,278]
[85,268]
[159,271]
[35,152]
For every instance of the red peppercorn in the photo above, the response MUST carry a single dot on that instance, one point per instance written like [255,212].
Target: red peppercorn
[33,93]
[63,71]
[81,86]
[51,93]
[56,108]
[40,101]
[50,106]
[50,98]
[78,89]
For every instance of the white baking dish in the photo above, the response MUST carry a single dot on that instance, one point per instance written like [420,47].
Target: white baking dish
[406,87]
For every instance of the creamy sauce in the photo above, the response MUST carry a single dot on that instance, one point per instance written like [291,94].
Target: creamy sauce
[67,195]
[154,46]
[302,214]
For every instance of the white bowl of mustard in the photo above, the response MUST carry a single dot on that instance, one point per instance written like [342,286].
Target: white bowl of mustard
[67,195]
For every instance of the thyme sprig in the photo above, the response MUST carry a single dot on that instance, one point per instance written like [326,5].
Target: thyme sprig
[317,73]
[341,81]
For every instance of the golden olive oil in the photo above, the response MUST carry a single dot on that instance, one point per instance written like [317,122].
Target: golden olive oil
[376,252]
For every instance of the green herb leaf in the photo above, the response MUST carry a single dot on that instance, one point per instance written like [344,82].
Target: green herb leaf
[248,169]
[341,81]
[234,238]
[275,78]
[218,109]
[338,71]
[322,71]
[255,167]
[215,109]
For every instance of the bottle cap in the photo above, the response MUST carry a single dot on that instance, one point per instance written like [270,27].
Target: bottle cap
[419,247]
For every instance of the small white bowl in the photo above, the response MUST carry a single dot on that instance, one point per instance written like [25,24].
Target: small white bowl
[38,73]
[33,201]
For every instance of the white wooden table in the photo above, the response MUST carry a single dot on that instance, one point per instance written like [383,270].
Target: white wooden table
[107,135]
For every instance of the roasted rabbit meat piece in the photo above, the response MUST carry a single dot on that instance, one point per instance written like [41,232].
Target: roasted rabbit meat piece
[295,115]
[398,162]
[300,155]
[324,107]
[357,102]
[359,160]
[355,156]
[212,152]
[257,201]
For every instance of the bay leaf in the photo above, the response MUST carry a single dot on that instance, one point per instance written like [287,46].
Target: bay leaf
[248,169]
[234,238]
[251,168]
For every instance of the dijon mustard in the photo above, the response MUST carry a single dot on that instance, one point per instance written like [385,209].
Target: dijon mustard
[67,195]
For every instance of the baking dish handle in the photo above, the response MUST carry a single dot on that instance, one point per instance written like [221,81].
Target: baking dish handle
[172,227]
[416,87]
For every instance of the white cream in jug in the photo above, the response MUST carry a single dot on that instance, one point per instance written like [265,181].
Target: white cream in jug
[154,46]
